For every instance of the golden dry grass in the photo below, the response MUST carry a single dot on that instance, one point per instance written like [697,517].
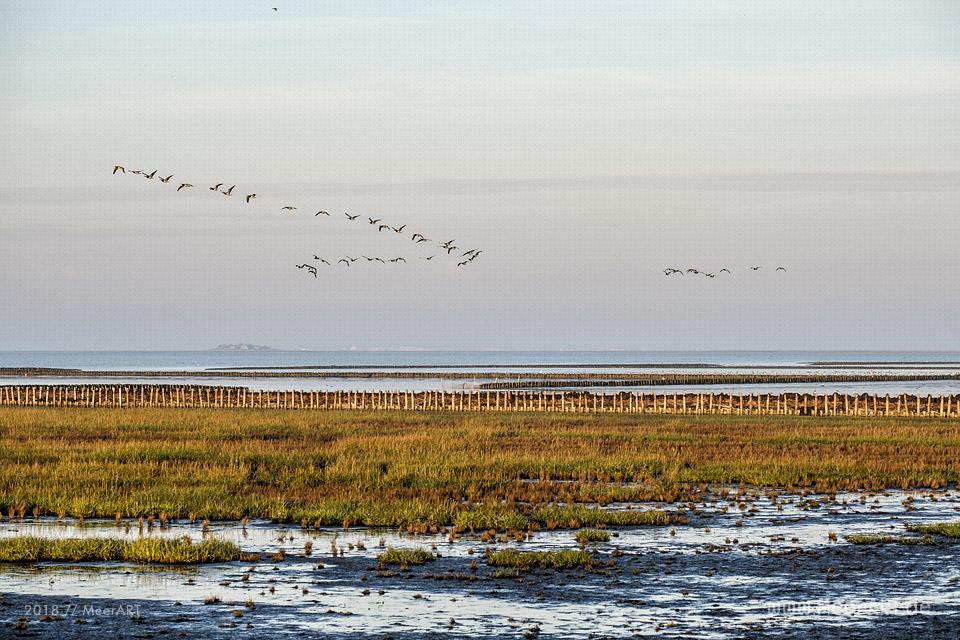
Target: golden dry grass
[497,470]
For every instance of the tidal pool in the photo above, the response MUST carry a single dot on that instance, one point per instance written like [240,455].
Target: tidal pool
[755,566]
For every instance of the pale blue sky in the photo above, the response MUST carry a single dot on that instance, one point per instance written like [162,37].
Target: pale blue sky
[583,146]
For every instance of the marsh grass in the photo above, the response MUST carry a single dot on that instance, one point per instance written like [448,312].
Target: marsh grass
[587,536]
[144,551]
[523,560]
[887,539]
[423,471]
[945,529]
[405,557]
[574,516]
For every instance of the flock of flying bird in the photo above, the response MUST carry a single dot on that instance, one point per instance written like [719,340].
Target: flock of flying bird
[670,271]
[463,259]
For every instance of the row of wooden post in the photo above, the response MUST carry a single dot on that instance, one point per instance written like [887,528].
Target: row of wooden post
[190,396]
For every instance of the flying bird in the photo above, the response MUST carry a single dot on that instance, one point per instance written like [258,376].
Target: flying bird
[460,264]
[309,267]
[318,213]
[250,196]
[669,271]
[350,217]
[228,192]
[754,268]
[117,167]
[372,221]
[399,260]
[149,176]
[288,208]
[451,249]
[137,171]
[399,229]
[346,262]
[784,269]
[430,258]
[184,185]
[693,271]
[216,187]
[382,227]
[725,269]
[167,179]
[316,257]
[380,260]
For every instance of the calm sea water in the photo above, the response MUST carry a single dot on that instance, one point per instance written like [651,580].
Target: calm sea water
[199,360]
[499,361]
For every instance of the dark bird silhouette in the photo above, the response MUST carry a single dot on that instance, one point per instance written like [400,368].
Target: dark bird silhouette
[372,221]
[725,269]
[460,264]
[415,236]
[137,171]
[352,259]
[693,271]
[784,269]
[184,185]
[320,213]
[380,260]
[399,229]
[710,275]
[403,260]
[368,258]
[167,179]
[451,249]
[117,167]
[216,187]
[382,227]
[430,258]
[288,208]
[344,261]
[350,217]
[448,244]
[228,192]
[149,176]
[423,240]
[274,8]
[669,271]
[250,196]
[309,267]
[316,257]
[754,268]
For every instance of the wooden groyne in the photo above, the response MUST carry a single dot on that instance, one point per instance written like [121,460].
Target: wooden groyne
[190,396]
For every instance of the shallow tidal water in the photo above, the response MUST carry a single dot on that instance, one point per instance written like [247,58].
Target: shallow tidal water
[750,568]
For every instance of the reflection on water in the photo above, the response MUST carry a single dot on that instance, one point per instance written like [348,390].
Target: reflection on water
[736,566]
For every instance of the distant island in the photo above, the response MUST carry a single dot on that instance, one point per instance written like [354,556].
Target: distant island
[243,346]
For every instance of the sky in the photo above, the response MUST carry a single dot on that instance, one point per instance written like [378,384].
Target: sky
[583,146]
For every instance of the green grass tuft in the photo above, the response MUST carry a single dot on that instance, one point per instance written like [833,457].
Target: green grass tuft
[946,529]
[586,536]
[887,539]
[574,516]
[522,560]
[405,557]
[145,551]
